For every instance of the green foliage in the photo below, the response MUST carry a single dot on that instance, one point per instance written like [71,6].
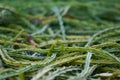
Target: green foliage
[62,40]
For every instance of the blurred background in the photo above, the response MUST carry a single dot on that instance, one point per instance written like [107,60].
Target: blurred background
[77,15]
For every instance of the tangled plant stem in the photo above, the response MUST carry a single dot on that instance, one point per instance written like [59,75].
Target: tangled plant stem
[40,44]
